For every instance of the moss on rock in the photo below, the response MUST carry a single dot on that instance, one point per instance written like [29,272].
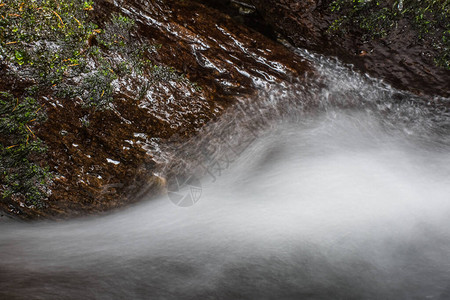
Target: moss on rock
[376,19]
[21,175]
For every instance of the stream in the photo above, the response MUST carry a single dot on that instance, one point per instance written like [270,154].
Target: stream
[343,193]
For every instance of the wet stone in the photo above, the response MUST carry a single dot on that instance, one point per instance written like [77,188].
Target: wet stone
[103,159]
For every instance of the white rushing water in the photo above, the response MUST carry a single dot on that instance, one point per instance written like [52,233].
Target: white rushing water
[349,202]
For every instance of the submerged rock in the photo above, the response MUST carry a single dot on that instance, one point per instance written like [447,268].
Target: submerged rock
[202,62]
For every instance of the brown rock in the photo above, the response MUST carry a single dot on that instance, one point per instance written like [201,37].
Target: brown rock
[114,159]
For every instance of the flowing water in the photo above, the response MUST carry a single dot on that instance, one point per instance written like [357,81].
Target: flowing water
[343,193]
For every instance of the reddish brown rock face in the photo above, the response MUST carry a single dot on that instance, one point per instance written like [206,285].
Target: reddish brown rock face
[399,58]
[105,159]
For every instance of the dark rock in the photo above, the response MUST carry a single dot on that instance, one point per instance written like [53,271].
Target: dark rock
[400,58]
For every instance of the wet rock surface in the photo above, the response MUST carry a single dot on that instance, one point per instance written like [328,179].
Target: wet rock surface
[400,58]
[105,159]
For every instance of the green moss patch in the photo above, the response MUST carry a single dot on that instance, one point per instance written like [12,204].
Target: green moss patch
[21,176]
